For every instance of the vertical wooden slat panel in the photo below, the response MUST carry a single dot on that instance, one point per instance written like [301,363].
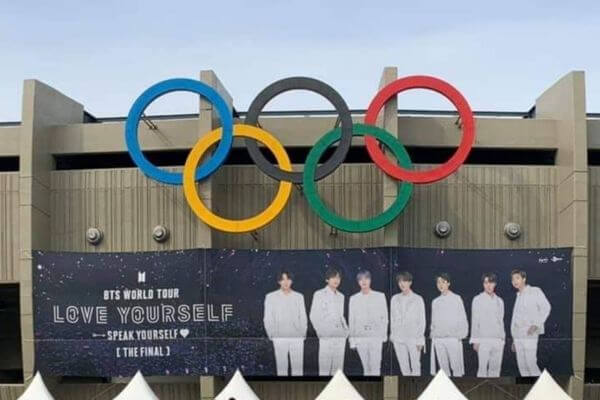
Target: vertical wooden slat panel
[477,201]
[125,205]
[594,224]
[352,190]
[9,233]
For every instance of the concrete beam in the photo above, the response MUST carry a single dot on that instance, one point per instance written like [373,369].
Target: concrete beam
[9,141]
[593,133]
[305,131]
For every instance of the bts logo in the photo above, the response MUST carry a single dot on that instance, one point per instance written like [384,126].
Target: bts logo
[141,277]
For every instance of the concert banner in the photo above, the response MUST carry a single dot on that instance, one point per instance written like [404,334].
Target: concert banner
[369,312]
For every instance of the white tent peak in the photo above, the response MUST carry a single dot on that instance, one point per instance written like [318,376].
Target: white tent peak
[237,389]
[339,388]
[441,388]
[137,389]
[36,390]
[547,388]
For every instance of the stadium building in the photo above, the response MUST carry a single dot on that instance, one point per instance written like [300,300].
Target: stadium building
[68,184]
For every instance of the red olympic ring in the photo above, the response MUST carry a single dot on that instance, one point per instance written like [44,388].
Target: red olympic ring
[466,117]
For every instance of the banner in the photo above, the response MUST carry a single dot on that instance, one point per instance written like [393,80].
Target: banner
[370,312]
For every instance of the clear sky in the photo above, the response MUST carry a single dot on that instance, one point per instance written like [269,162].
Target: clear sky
[500,54]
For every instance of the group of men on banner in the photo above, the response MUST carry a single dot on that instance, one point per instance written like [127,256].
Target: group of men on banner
[286,323]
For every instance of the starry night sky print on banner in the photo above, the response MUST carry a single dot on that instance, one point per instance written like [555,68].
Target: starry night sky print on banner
[209,312]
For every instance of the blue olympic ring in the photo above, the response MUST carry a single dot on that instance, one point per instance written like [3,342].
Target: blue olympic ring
[162,88]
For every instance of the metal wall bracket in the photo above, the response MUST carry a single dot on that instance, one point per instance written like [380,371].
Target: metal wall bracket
[149,123]
[458,122]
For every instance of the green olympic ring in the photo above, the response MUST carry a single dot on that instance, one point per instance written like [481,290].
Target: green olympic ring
[405,189]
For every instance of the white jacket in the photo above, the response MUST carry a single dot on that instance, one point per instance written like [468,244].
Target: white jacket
[531,308]
[487,318]
[285,315]
[327,314]
[368,315]
[448,317]
[407,316]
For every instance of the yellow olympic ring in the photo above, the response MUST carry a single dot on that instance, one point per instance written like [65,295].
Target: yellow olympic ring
[243,225]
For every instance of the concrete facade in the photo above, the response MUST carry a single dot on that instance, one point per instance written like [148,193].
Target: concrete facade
[48,209]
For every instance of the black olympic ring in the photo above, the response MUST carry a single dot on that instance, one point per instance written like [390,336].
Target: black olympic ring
[316,86]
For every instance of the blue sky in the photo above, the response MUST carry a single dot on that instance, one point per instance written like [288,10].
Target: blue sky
[500,55]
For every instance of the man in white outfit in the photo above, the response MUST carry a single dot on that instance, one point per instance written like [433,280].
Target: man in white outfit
[285,322]
[449,326]
[368,324]
[407,325]
[487,328]
[529,316]
[327,317]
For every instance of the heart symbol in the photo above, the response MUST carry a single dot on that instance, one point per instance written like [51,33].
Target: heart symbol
[184,332]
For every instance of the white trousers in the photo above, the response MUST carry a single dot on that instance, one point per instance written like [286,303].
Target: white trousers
[527,356]
[331,355]
[369,351]
[409,357]
[489,357]
[449,352]
[292,347]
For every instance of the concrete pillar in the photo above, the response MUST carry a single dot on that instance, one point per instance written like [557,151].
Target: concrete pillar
[565,103]
[391,389]
[389,122]
[42,107]
[209,120]
[210,387]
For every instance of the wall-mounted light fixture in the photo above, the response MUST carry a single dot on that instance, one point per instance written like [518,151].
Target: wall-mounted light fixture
[94,236]
[512,230]
[160,233]
[443,229]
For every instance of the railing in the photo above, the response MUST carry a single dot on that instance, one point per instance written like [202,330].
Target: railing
[321,113]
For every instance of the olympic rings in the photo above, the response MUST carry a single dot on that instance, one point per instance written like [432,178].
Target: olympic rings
[466,117]
[160,89]
[312,171]
[366,225]
[252,223]
[314,85]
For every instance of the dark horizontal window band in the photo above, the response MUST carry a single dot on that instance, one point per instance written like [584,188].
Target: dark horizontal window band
[594,157]
[10,332]
[9,164]
[83,380]
[357,155]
